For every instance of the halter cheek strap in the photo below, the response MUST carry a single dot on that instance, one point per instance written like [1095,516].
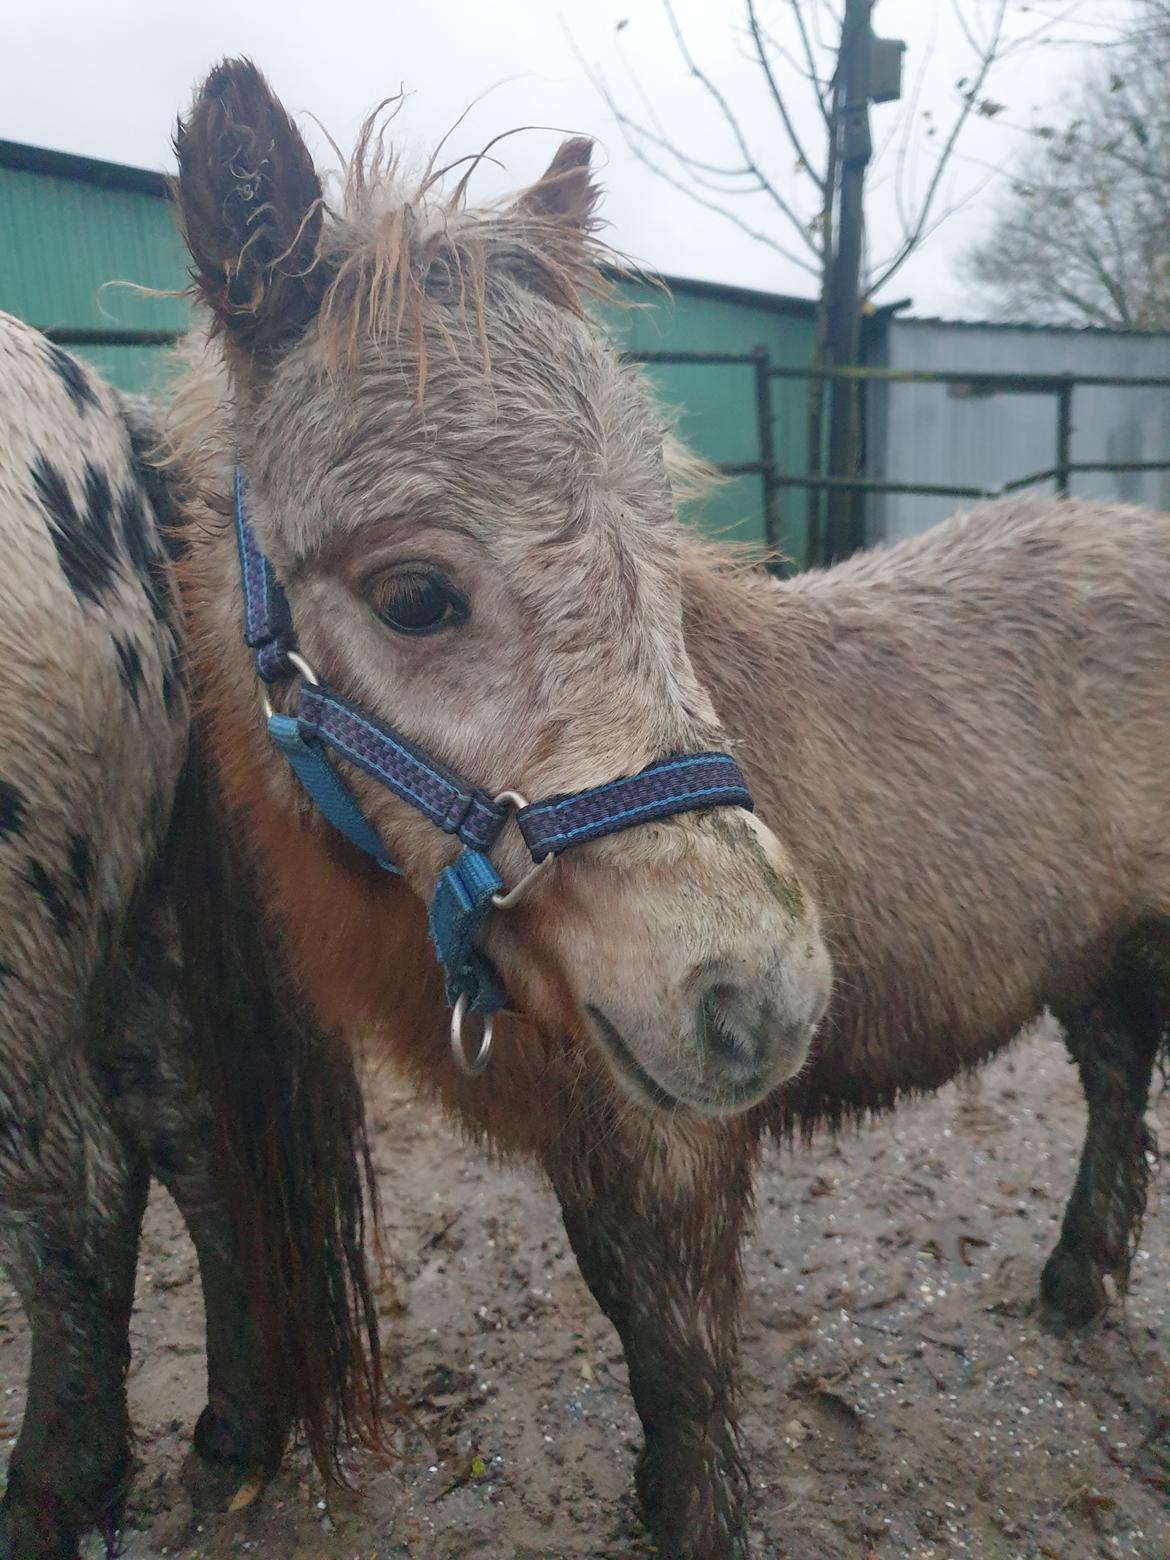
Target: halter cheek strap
[325,721]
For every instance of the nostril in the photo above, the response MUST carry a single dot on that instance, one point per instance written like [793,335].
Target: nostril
[727,1035]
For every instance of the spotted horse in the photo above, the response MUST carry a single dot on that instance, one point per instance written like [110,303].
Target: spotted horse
[102,1084]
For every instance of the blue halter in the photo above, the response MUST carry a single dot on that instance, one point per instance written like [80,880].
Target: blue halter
[466,890]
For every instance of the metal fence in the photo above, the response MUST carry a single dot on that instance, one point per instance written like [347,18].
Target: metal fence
[1061,386]
[773,480]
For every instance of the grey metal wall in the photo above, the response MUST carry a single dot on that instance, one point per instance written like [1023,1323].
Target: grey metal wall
[927,433]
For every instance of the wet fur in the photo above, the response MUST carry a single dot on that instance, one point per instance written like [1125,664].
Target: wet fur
[118,1060]
[963,743]
[94,724]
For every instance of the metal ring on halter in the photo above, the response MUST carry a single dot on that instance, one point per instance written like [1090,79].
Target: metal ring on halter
[475,1065]
[298,663]
[513,895]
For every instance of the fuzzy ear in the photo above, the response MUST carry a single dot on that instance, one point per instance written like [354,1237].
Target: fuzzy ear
[252,209]
[565,194]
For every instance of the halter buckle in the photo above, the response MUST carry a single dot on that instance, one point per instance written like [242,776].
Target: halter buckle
[505,901]
[299,664]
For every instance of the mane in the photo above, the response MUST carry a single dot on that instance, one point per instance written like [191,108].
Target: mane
[403,252]
[400,257]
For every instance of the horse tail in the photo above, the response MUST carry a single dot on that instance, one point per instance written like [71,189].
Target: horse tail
[294,1151]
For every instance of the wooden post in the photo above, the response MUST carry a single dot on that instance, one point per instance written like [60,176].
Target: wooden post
[767,447]
[818,389]
[844,303]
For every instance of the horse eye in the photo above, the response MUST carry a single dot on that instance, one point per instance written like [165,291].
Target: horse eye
[419,601]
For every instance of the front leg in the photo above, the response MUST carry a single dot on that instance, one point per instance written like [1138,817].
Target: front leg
[1114,1040]
[658,1238]
[146,1064]
[73,1262]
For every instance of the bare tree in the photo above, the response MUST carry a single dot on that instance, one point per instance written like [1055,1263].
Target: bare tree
[803,188]
[1083,233]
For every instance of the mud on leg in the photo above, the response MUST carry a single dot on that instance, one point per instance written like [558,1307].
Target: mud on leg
[1114,1039]
[658,1242]
[73,1261]
[151,1080]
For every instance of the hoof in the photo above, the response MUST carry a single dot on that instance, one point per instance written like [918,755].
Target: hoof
[246,1494]
[37,1524]
[1072,1288]
[228,1439]
[30,1532]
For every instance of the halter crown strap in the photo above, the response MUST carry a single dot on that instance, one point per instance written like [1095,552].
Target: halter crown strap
[268,629]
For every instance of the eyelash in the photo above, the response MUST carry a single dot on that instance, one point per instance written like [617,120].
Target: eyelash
[436,602]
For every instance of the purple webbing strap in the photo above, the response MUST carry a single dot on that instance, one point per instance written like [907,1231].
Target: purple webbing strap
[439,794]
[267,621]
[661,790]
[671,786]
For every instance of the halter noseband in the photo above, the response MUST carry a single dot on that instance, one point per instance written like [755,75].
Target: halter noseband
[466,890]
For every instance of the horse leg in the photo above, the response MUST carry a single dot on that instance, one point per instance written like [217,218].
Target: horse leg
[154,1087]
[1114,1039]
[658,1240]
[72,1258]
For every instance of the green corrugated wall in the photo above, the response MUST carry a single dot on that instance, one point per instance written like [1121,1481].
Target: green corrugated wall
[716,405]
[63,238]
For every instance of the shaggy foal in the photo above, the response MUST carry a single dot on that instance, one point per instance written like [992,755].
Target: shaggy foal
[101,1083]
[964,741]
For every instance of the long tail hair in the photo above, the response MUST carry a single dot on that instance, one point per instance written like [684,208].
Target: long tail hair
[293,1146]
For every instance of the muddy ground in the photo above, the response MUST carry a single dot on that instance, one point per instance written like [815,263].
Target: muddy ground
[901,1398]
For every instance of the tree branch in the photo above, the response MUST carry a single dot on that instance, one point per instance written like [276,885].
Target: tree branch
[694,166]
[735,127]
[824,94]
[731,216]
[778,97]
[908,118]
[912,239]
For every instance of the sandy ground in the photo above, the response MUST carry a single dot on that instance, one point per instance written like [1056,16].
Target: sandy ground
[901,1398]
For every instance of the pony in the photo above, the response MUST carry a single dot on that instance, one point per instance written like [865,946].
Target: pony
[960,745]
[101,1085]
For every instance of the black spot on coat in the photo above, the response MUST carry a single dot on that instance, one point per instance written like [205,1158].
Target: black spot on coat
[136,530]
[129,666]
[72,376]
[160,487]
[86,548]
[13,809]
[153,482]
[80,862]
[55,901]
[144,552]
[170,682]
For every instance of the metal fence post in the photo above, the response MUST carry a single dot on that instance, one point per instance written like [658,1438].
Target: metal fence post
[763,367]
[1064,432]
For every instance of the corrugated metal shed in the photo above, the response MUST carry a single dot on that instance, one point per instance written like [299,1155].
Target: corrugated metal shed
[929,434]
[716,405]
[70,225]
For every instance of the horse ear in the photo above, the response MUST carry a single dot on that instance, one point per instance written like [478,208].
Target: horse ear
[252,210]
[565,194]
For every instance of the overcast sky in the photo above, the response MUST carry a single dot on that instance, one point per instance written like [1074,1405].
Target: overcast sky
[106,78]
